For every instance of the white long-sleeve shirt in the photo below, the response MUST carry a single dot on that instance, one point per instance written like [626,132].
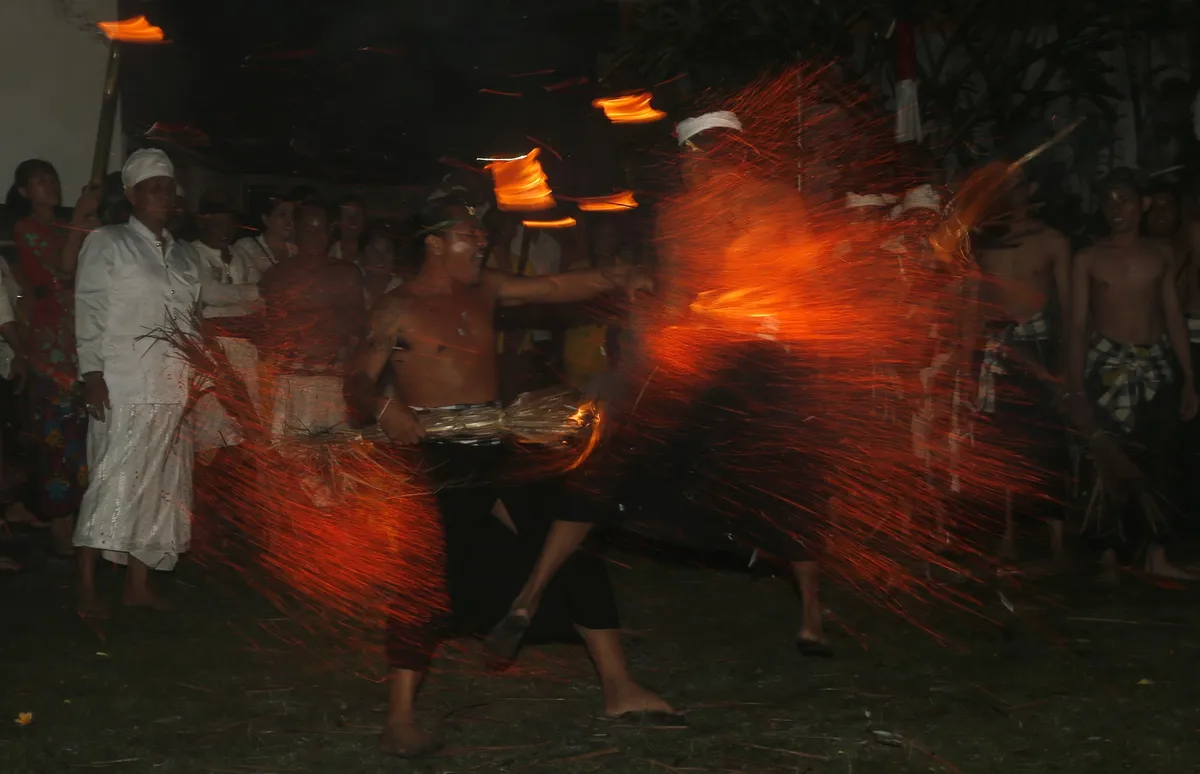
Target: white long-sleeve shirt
[225,288]
[256,256]
[131,286]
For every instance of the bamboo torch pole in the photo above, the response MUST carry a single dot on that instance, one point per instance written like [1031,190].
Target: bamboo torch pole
[108,115]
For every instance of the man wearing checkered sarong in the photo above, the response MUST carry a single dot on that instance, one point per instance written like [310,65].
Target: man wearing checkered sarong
[1025,266]
[1130,380]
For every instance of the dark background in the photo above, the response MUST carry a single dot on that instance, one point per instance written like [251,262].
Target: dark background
[374,91]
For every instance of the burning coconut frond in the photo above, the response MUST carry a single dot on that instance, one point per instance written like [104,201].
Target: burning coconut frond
[211,372]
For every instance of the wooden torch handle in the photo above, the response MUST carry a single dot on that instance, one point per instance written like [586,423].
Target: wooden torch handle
[108,115]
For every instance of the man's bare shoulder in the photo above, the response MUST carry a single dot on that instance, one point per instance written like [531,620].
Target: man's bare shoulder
[1053,239]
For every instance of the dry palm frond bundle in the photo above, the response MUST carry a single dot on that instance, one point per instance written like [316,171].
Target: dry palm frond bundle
[199,347]
[541,417]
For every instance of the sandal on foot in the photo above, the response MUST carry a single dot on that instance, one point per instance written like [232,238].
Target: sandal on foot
[813,648]
[504,640]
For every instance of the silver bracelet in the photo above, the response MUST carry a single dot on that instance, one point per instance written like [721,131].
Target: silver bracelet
[379,416]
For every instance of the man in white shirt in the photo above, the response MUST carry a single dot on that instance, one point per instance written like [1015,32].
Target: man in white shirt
[228,300]
[132,280]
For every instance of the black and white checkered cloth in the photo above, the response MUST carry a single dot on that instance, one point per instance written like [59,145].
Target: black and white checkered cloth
[1129,374]
[995,354]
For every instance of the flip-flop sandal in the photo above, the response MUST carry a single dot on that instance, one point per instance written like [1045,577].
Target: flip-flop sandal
[813,648]
[504,640]
[648,718]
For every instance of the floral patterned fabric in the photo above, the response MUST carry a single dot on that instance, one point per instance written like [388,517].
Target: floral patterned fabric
[51,340]
[59,421]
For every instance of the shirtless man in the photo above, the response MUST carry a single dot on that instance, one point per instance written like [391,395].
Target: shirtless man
[315,315]
[437,336]
[1026,268]
[1120,379]
[765,520]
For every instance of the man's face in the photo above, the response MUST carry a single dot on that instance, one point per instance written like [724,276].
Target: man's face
[217,230]
[1122,208]
[280,223]
[312,230]
[461,247]
[351,219]
[153,200]
[43,189]
[1163,216]
[379,257]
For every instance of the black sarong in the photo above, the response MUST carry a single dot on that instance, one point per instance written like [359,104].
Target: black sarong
[486,565]
[738,469]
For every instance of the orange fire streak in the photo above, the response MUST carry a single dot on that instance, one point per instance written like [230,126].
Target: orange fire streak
[521,183]
[615,202]
[560,223]
[135,30]
[632,109]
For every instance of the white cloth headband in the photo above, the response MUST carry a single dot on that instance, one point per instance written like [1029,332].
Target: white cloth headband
[920,198]
[870,200]
[721,119]
[144,164]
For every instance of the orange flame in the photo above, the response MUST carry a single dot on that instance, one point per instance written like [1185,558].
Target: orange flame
[521,183]
[135,30]
[560,223]
[632,109]
[622,200]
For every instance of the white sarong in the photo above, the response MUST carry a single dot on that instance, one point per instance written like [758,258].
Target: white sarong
[307,405]
[214,428]
[139,498]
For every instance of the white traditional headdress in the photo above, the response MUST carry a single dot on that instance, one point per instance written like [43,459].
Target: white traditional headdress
[920,198]
[144,164]
[721,119]
[854,201]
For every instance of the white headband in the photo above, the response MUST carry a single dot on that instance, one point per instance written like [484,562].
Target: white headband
[920,198]
[144,164]
[721,119]
[870,200]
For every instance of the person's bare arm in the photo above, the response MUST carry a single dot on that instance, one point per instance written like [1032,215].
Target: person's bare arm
[1061,257]
[83,222]
[1080,287]
[512,290]
[1177,333]
[387,325]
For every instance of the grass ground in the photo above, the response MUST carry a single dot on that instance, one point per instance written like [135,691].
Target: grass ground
[1080,681]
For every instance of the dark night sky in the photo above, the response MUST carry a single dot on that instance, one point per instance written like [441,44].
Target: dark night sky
[265,78]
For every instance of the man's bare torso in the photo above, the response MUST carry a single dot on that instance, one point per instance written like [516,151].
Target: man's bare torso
[1019,275]
[445,352]
[1125,287]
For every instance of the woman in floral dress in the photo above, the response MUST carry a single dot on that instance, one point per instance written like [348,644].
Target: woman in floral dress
[48,247]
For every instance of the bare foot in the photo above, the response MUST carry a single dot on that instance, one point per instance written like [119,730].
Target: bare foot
[1158,566]
[1108,568]
[405,740]
[89,606]
[629,697]
[9,565]
[147,599]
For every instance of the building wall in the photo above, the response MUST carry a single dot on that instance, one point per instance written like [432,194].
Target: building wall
[51,86]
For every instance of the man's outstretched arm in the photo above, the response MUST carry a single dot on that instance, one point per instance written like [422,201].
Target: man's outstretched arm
[512,290]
